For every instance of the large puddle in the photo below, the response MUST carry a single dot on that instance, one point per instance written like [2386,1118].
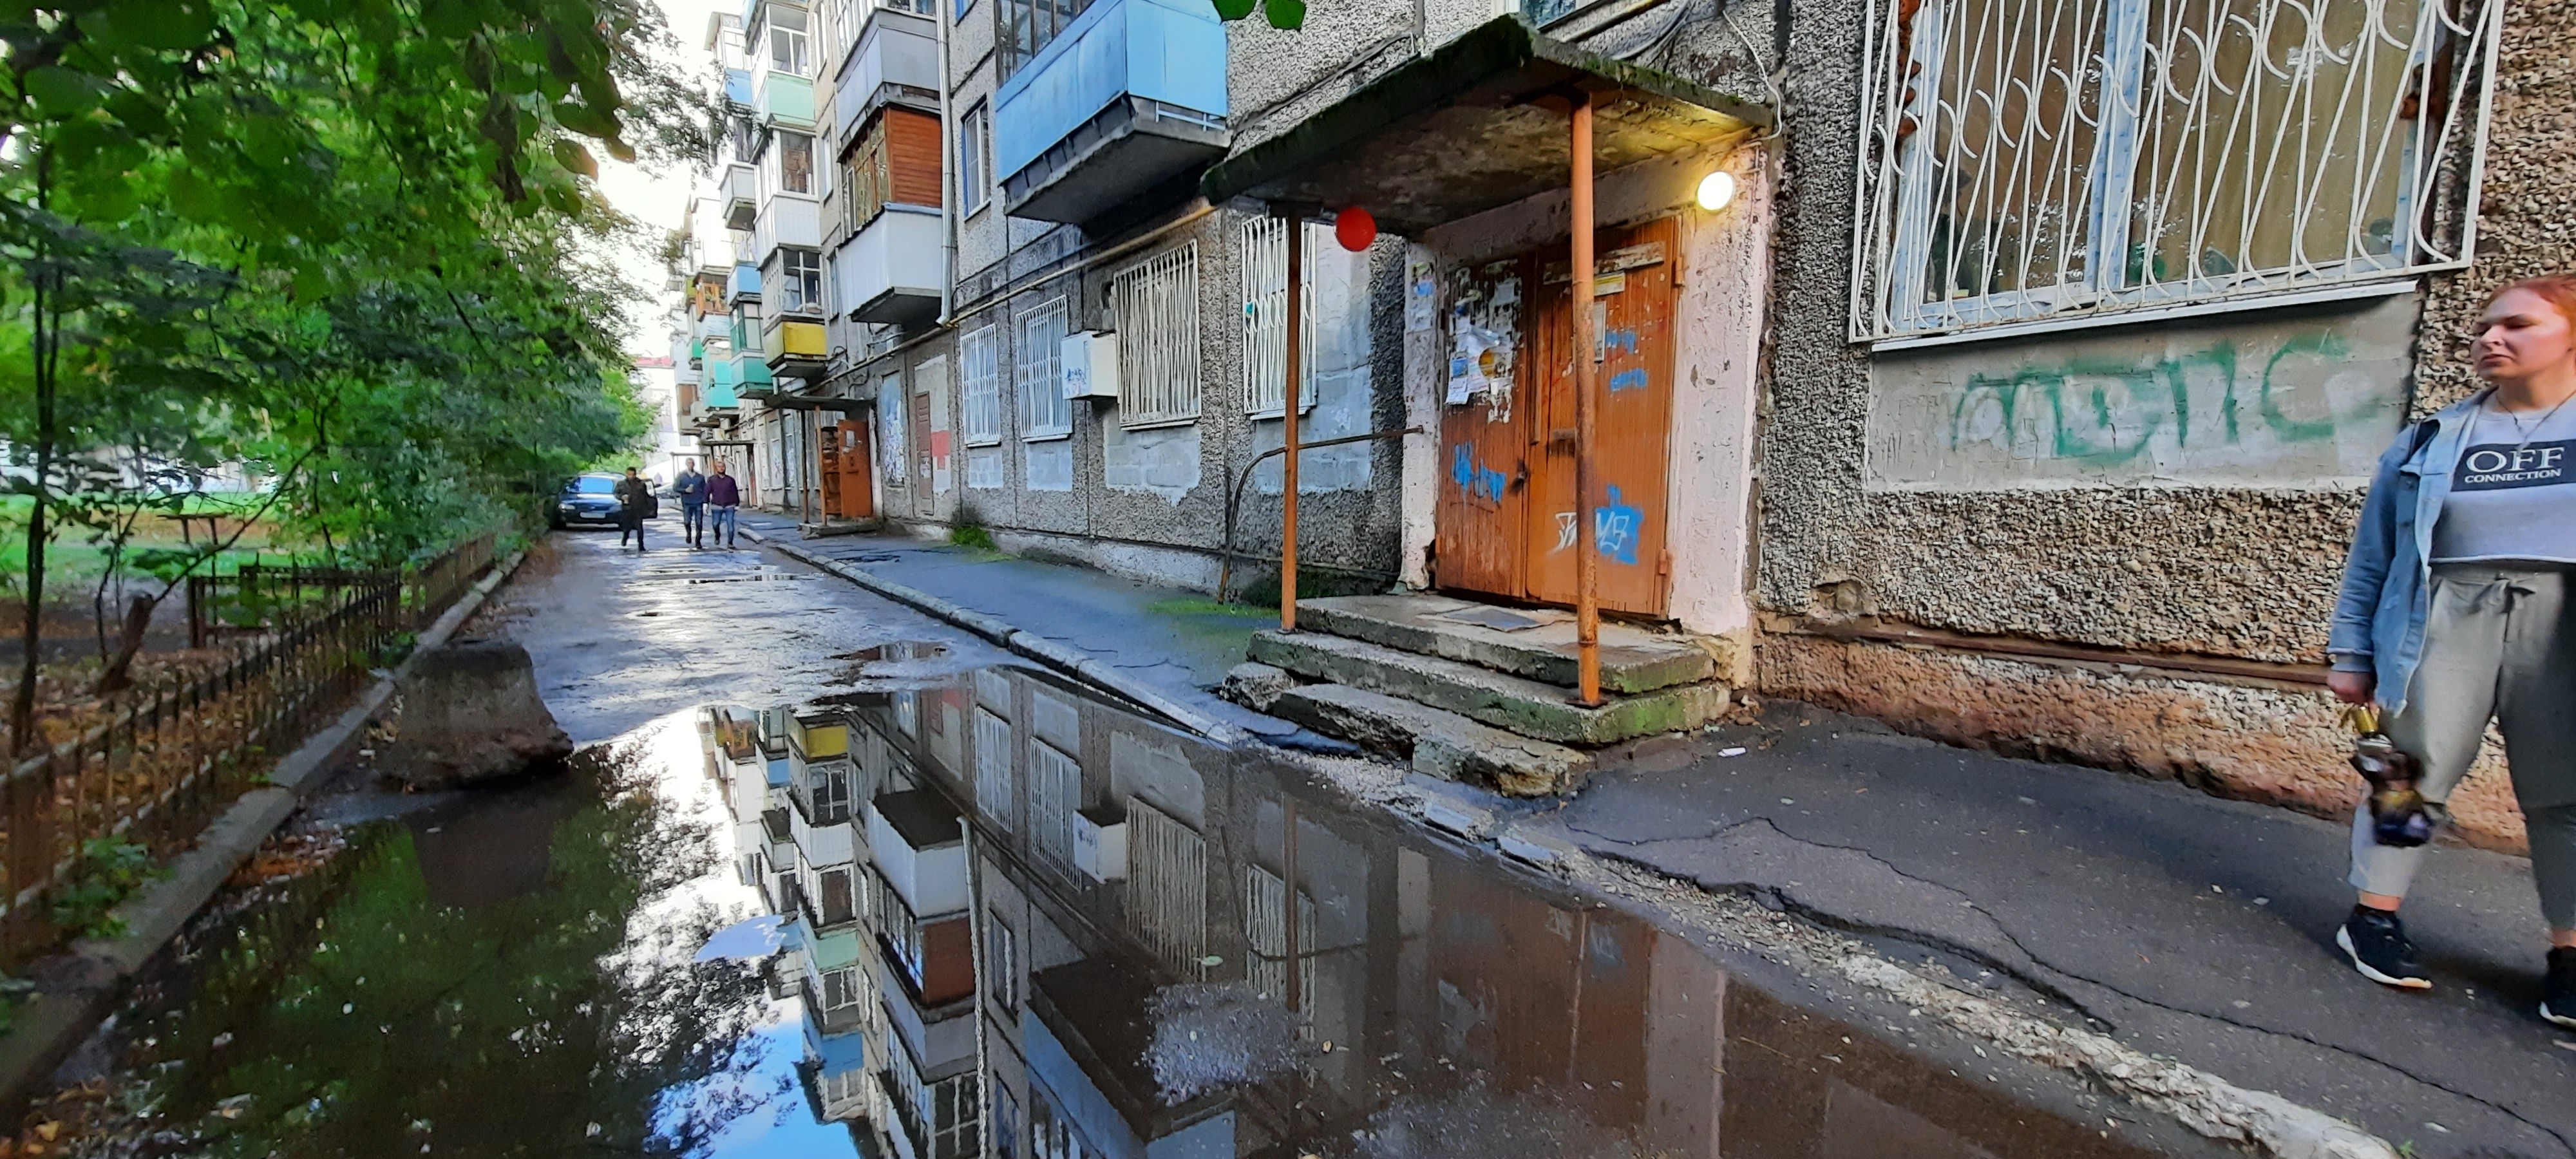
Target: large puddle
[1004,919]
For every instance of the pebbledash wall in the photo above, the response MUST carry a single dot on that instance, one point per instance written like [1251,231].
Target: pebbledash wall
[1944,490]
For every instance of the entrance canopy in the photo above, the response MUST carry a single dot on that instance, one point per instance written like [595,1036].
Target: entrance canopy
[1462,130]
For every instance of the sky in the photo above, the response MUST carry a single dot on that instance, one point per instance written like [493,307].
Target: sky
[658,197]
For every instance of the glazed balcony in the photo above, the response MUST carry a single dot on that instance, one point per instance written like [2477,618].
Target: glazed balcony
[890,268]
[1129,96]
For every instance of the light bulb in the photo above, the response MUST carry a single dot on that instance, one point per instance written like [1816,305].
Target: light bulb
[1716,190]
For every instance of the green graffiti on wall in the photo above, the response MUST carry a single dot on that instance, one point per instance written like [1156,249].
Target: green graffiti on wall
[2106,410]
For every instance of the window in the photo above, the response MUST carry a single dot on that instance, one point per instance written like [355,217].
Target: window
[844,26]
[907,713]
[855,189]
[1027,26]
[1055,795]
[795,162]
[1167,888]
[831,796]
[993,769]
[839,903]
[788,50]
[1002,963]
[953,1119]
[800,282]
[2049,160]
[1045,413]
[1006,1121]
[974,184]
[979,362]
[1051,1134]
[1264,245]
[890,440]
[1157,303]
[841,988]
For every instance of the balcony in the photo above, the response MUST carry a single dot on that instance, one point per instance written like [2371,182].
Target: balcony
[793,347]
[890,270]
[789,219]
[720,378]
[751,377]
[744,284]
[914,839]
[1127,97]
[896,62]
[784,100]
[739,189]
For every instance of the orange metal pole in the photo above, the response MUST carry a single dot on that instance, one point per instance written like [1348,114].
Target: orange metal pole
[1291,393]
[1587,561]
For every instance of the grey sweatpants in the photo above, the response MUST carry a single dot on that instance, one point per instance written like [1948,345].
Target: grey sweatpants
[2497,644]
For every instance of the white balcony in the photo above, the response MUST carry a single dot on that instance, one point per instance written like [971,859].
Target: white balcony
[914,839]
[740,188]
[896,61]
[890,269]
[788,219]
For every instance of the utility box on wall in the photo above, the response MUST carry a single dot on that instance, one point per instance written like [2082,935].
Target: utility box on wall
[1090,364]
[1100,842]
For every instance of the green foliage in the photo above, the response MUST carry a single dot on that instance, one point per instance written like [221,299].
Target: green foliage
[972,535]
[1279,13]
[109,870]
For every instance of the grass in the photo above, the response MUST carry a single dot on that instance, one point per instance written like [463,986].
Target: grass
[1203,606]
[972,535]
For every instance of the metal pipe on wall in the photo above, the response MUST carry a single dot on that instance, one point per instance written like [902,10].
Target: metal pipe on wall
[1291,393]
[1587,561]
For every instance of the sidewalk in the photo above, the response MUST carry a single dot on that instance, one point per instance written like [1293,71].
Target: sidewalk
[1177,643]
[2184,925]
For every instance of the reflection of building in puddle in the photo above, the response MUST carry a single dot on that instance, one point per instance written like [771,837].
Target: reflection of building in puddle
[1025,916]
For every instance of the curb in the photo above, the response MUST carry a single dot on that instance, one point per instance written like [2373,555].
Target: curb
[1019,641]
[95,972]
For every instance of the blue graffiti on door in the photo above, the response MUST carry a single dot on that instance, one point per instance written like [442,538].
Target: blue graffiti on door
[1478,479]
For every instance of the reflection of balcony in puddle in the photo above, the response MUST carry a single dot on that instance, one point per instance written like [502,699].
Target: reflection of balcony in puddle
[1088,1032]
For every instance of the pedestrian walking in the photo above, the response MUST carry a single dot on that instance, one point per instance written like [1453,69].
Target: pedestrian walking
[724,497]
[691,488]
[2455,610]
[635,504]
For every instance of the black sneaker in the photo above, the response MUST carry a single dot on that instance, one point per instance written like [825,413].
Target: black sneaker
[2558,995]
[2376,942]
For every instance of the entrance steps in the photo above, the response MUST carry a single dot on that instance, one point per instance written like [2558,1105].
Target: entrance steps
[1471,691]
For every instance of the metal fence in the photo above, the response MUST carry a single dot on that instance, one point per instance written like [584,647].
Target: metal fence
[292,646]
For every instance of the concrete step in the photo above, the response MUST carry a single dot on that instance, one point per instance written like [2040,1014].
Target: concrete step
[1440,743]
[1632,659]
[1515,703]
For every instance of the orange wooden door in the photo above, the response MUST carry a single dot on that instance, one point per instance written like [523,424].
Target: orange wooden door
[1632,374]
[857,472]
[1480,524]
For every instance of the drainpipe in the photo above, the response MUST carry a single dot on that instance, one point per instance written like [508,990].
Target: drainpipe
[1292,392]
[947,175]
[1587,562]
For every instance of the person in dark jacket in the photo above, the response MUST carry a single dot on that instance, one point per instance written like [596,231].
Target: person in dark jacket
[691,487]
[634,506]
[724,496]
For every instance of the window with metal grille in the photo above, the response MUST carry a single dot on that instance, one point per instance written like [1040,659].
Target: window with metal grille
[1167,888]
[1265,932]
[1055,795]
[979,362]
[2054,159]
[993,795]
[800,282]
[1263,242]
[1157,303]
[1045,413]
[1027,26]
[1002,964]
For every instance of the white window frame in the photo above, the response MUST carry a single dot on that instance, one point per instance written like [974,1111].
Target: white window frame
[974,161]
[1002,965]
[1263,244]
[2130,87]
[793,275]
[1157,305]
[979,365]
[795,44]
[1045,413]
[996,772]
[788,141]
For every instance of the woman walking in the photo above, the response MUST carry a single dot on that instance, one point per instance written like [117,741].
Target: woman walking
[2455,610]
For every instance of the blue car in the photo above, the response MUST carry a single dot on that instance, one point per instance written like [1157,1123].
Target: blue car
[587,498]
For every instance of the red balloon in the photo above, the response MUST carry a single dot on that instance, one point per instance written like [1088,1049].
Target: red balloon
[1354,228]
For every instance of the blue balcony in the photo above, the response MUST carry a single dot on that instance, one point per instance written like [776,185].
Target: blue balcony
[745,283]
[1129,96]
[737,86]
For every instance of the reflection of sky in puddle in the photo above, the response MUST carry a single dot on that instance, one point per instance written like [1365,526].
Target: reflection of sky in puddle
[783,1124]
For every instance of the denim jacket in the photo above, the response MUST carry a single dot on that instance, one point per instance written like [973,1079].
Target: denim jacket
[2388,578]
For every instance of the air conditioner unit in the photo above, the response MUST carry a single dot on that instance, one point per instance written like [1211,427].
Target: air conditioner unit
[1090,364]
[1100,842]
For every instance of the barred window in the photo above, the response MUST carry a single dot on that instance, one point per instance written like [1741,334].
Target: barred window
[1264,245]
[1044,411]
[2041,159]
[1055,795]
[1157,302]
[993,769]
[979,356]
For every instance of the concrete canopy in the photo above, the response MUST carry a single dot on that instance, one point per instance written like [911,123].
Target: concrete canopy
[1458,132]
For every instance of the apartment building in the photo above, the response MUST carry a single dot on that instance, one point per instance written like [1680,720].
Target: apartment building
[2011,379]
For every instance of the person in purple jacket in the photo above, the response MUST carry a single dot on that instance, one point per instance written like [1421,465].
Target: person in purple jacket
[723,497]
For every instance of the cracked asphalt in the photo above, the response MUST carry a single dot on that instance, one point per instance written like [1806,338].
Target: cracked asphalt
[2184,925]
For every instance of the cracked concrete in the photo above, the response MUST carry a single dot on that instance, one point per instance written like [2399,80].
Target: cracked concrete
[2181,925]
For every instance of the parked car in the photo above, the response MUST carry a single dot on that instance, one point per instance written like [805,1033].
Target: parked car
[587,498]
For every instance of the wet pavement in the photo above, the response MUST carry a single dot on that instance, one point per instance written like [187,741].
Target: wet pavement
[1011,918]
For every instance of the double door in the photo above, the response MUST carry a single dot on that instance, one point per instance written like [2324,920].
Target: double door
[1506,522]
